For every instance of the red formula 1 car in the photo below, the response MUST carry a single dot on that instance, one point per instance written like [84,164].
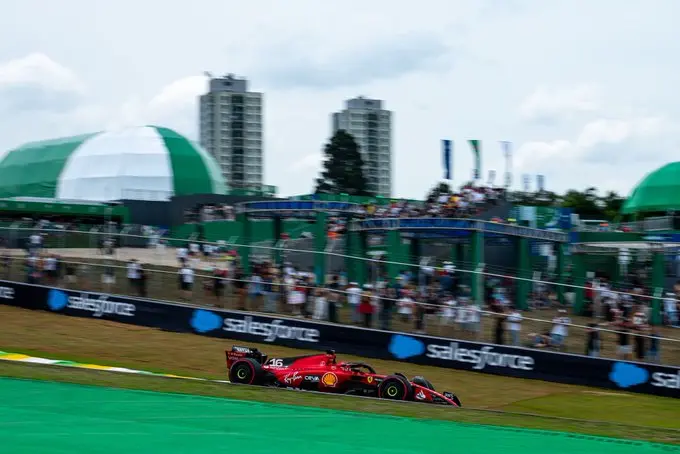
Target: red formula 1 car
[323,373]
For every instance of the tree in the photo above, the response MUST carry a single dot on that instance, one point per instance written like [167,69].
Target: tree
[586,203]
[438,189]
[343,167]
[612,204]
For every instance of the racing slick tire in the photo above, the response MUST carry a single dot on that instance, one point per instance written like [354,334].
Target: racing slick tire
[245,371]
[395,387]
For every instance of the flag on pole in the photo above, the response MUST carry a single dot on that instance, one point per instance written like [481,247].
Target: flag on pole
[446,158]
[507,152]
[492,177]
[477,152]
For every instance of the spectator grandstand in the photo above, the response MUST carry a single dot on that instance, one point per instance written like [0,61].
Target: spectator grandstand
[434,300]
[104,253]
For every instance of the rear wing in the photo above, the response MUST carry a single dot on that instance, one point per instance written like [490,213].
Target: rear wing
[237,353]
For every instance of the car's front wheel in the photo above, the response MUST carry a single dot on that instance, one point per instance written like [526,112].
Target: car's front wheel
[395,387]
[246,371]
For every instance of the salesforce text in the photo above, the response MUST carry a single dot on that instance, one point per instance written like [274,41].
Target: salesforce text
[101,306]
[271,331]
[480,358]
[670,381]
[6,293]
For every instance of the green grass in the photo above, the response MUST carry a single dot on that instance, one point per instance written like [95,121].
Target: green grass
[498,400]
[661,425]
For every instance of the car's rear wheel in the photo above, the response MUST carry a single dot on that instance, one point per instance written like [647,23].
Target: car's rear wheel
[395,387]
[245,371]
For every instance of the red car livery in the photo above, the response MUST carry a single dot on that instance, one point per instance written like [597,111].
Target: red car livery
[322,372]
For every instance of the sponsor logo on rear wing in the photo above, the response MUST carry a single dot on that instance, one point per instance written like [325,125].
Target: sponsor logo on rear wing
[238,353]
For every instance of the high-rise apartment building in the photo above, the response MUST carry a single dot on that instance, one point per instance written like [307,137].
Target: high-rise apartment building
[231,130]
[371,126]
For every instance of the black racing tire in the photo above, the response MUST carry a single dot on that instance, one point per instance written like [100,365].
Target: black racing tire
[245,371]
[395,387]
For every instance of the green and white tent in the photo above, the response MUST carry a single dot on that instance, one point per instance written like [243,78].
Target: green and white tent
[142,163]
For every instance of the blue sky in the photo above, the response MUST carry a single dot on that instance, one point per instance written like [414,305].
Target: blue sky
[585,90]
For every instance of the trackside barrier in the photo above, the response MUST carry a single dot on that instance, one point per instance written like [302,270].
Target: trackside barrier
[426,350]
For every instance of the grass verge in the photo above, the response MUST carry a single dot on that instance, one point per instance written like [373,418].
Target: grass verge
[415,410]
[101,342]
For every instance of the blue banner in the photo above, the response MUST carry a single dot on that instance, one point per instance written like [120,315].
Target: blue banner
[446,158]
[270,329]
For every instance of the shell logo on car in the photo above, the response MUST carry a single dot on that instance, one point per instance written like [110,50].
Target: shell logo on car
[329,379]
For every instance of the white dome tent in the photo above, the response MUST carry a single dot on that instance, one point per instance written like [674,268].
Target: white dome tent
[142,163]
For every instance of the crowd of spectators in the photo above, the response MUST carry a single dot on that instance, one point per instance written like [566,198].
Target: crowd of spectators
[466,202]
[51,222]
[423,299]
[441,298]
[210,212]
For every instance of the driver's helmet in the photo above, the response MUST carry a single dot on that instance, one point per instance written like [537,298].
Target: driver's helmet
[422,381]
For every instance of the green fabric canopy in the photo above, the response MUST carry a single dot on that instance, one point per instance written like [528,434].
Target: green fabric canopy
[658,191]
[140,163]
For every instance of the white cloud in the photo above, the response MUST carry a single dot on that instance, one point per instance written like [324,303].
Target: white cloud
[38,83]
[179,95]
[174,106]
[616,131]
[39,69]
[553,104]
[374,60]
[310,164]
[606,148]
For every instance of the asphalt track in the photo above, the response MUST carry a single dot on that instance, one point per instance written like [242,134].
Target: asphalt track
[47,417]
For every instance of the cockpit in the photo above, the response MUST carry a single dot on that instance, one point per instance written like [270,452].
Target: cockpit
[361,368]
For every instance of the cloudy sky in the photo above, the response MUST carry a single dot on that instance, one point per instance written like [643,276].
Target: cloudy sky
[584,89]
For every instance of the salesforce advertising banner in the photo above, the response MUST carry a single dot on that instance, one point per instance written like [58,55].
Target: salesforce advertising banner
[537,364]
[296,333]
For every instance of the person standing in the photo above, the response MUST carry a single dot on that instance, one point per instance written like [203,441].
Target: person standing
[654,352]
[354,300]
[268,291]
[514,325]
[35,243]
[219,278]
[255,289]
[333,299]
[320,304]
[186,281]
[593,342]
[499,332]
[560,329]
[366,308]
[133,276]
[143,281]
[387,301]
[670,309]
[241,287]
[625,350]
[641,327]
